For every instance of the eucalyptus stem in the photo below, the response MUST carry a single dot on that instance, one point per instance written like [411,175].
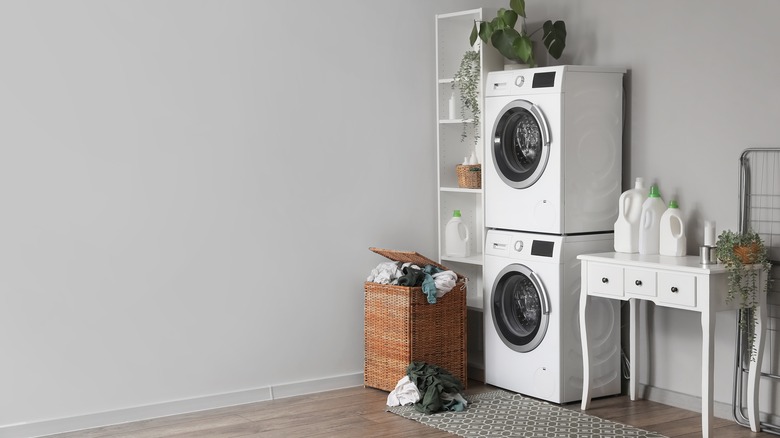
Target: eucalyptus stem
[467,80]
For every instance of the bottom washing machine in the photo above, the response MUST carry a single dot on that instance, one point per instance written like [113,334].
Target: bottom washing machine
[531,317]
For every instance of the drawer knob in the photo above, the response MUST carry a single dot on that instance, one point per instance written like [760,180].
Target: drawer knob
[638,282]
[674,289]
[604,280]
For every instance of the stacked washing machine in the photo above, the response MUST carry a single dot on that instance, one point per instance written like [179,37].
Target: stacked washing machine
[553,152]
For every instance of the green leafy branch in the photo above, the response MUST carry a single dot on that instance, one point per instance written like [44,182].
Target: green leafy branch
[501,33]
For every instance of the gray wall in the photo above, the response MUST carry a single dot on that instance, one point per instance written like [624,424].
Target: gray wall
[701,88]
[189,188]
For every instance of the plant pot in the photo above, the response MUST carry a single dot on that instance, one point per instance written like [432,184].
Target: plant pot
[747,254]
[511,64]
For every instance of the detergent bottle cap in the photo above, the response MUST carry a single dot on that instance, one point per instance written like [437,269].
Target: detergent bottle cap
[456,213]
[654,193]
[639,183]
[673,204]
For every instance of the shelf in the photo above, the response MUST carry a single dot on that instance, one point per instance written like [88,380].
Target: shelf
[470,14]
[455,121]
[472,260]
[446,80]
[460,190]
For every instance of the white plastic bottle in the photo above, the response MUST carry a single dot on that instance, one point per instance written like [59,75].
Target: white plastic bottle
[650,222]
[629,213]
[456,237]
[451,106]
[672,232]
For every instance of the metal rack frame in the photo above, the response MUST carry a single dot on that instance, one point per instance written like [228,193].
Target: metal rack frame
[759,210]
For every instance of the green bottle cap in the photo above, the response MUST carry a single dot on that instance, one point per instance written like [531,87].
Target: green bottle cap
[654,193]
[456,213]
[672,204]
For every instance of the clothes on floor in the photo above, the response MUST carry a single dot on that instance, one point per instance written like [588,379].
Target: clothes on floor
[441,391]
[405,393]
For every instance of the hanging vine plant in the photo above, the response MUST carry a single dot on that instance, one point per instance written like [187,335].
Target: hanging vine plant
[467,81]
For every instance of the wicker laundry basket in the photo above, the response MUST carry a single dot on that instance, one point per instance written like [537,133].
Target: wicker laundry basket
[401,327]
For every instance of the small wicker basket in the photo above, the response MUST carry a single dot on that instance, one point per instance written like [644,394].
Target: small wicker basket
[469,176]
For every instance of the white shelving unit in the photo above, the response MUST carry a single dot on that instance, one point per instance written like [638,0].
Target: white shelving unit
[452,41]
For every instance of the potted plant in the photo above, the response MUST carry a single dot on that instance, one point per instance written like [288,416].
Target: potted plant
[467,81]
[516,45]
[744,255]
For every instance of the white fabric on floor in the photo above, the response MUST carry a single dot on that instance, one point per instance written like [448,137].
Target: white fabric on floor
[405,393]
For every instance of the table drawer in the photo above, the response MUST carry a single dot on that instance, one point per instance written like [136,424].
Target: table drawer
[677,289]
[605,279]
[640,282]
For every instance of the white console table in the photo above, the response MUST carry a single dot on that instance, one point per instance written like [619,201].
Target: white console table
[678,282]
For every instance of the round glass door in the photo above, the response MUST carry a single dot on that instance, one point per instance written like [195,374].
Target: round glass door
[521,144]
[521,308]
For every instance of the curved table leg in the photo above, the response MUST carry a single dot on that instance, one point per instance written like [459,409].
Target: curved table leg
[585,351]
[707,360]
[633,349]
[754,370]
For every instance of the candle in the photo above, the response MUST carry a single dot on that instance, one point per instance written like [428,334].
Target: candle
[709,233]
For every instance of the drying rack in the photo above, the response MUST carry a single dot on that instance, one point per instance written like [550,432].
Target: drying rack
[759,210]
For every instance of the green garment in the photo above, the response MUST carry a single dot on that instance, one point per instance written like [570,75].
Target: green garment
[438,387]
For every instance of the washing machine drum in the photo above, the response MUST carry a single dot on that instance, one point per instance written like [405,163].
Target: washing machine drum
[520,308]
[521,144]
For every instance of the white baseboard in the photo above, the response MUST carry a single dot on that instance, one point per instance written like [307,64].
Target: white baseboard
[692,403]
[683,401]
[99,419]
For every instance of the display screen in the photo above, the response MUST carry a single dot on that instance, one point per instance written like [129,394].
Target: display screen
[544,80]
[542,248]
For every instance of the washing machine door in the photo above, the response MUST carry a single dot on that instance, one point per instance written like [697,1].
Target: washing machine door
[521,144]
[520,308]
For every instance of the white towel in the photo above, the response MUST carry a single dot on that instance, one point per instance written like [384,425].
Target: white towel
[405,393]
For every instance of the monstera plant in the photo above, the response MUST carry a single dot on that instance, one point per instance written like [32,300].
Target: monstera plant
[516,45]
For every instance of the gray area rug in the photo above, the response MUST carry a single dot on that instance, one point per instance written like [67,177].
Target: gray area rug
[501,413]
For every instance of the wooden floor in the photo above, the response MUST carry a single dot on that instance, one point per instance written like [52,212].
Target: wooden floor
[360,412]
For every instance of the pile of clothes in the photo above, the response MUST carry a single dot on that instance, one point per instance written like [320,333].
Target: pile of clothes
[435,282]
[430,388]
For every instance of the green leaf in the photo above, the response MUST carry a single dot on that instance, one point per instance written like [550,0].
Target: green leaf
[508,17]
[524,49]
[486,31]
[555,37]
[503,40]
[518,6]
[498,23]
[473,36]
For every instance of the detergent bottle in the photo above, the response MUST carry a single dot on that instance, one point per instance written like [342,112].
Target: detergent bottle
[456,237]
[650,222]
[629,212]
[672,232]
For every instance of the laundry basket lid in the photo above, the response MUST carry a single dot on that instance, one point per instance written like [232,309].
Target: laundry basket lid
[408,256]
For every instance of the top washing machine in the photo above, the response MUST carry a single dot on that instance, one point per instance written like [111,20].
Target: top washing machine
[553,149]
